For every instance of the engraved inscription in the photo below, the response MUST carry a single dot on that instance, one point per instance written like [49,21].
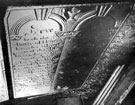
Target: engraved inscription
[35,53]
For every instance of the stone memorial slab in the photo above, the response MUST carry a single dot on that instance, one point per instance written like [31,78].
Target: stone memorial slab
[34,48]
[3,83]
[71,50]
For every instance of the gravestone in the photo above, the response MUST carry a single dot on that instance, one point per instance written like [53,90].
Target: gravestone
[68,50]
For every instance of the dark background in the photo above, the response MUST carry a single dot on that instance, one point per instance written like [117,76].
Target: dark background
[46,100]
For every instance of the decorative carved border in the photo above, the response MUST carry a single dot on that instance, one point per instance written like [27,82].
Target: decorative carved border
[120,46]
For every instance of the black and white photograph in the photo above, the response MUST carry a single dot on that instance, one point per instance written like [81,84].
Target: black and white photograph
[67,52]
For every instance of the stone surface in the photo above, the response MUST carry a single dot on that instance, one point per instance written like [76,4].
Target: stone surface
[69,101]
